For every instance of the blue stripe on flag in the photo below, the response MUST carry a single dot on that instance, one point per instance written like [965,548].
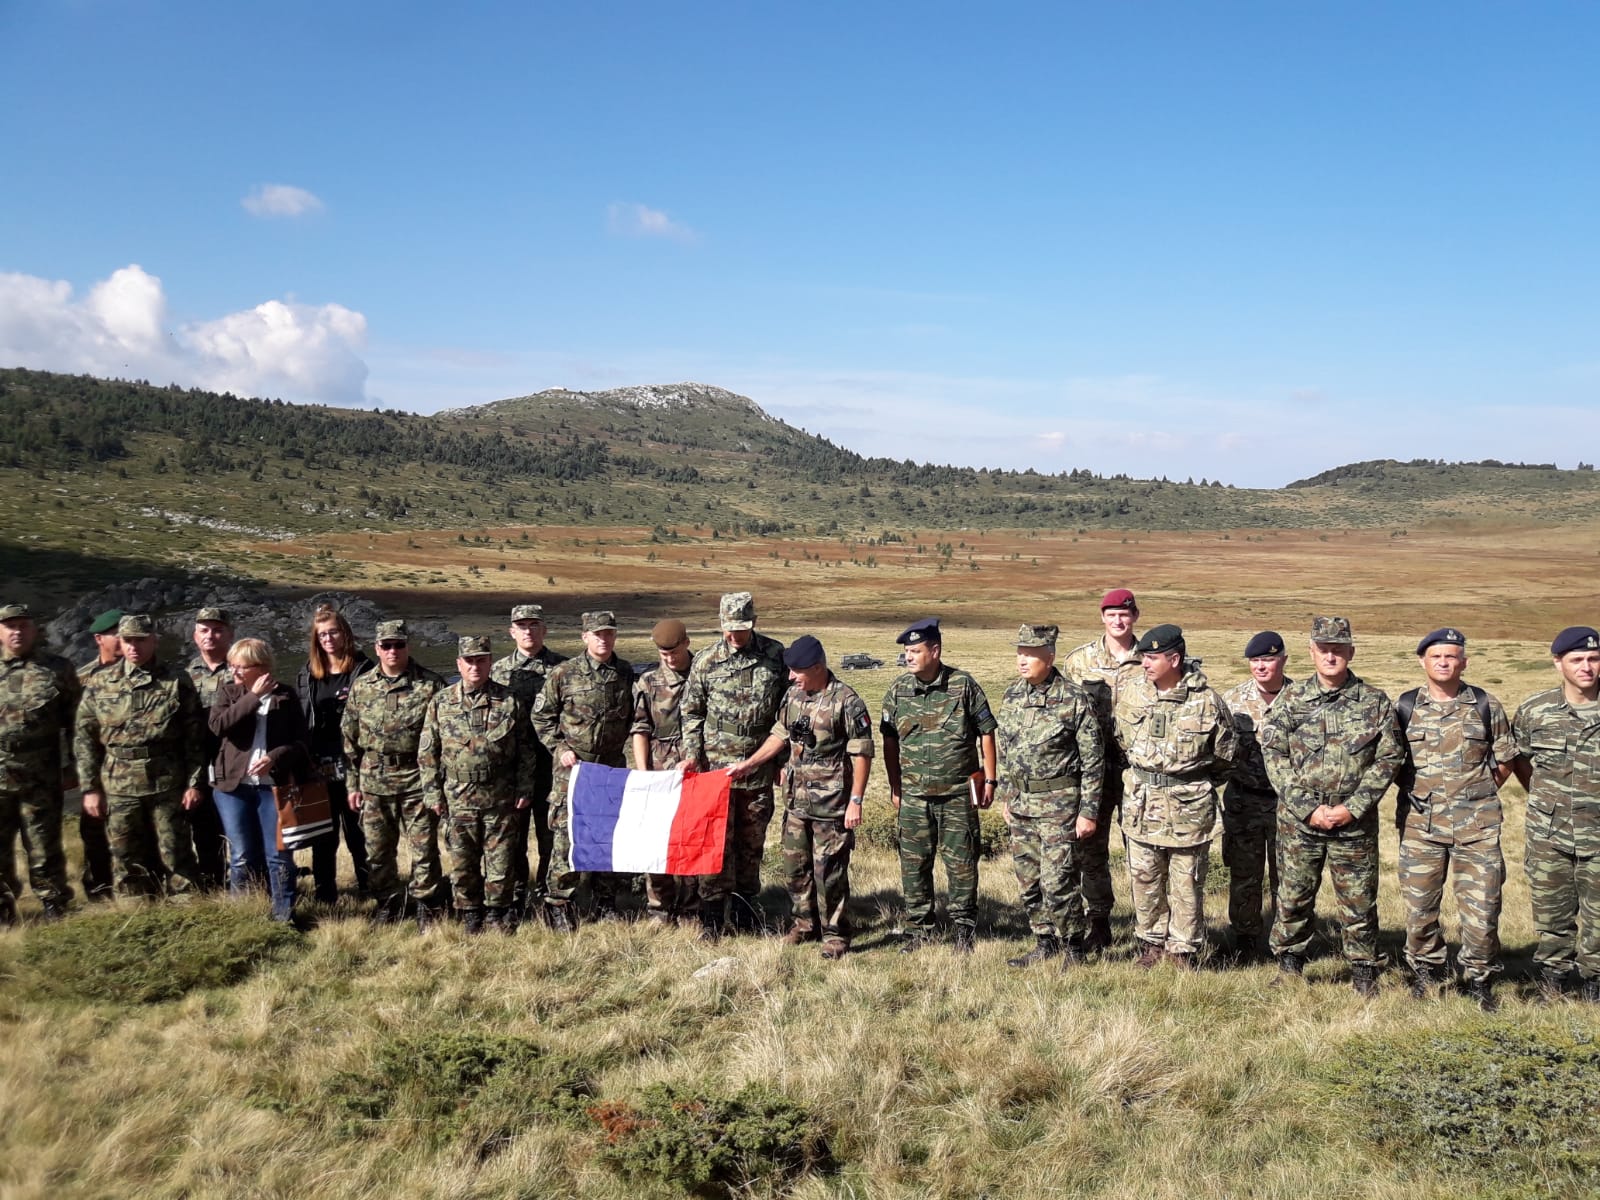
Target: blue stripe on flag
[595,799]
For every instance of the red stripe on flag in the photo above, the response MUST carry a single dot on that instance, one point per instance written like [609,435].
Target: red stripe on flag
[700,826]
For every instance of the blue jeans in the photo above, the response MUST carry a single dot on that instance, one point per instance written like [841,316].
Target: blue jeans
[250,820]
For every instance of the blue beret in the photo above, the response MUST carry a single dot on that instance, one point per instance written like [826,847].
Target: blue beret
[918,632]
[806,652]
[1163,639]
[1263,645]
[1578,637]
[1447,637]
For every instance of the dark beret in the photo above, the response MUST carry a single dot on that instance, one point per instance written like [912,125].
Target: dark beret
[1446,637]
[1163,639]
[1264,645]
[107,621]
[919,632]
[806,652]
[1578,637]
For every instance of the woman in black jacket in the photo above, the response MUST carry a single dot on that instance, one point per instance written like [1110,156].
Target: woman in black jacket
[324,686]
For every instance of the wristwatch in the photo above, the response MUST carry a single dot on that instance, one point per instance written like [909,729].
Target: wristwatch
[857,799]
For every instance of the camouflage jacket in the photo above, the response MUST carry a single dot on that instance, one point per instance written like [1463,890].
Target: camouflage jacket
[93,667]
[657,695]
[1052,759]
[1455,799]
[1338,746]
[525,674]
[824,729]
[729,704]
[476,750]
[586,707]
[1563,745]
[1251,786]
[1102,674]
[206,679]
[381,727]
[936,726]
[1179,745]
[141,732]
[38,701]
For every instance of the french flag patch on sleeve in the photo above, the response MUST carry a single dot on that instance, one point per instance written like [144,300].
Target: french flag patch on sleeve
[651,822]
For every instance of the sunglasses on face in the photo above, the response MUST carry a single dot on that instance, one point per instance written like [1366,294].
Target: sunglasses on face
[391,645]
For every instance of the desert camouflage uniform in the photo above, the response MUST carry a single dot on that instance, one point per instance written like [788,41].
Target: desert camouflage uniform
[825,729]
[1178,744]
[1329,746]
[728,708]
[1249,816]
[525,674]
[210,843]
[382,727]
[98,880]
[586,707]
[657,695]
[1052,768]
[38,697]
[140,740]
[1102,673]
[476,760]
[937,726]
[1562,741]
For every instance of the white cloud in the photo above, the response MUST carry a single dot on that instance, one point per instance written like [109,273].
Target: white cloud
[280,200]
[119,328]
[639,220]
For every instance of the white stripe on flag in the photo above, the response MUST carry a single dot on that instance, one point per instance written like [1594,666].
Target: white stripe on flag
[644,824]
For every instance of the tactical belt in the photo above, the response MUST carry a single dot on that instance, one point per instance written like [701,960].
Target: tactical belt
[738,728]
[1162,780]
[1057,783]
[397,760]
[1331,799]
[475,775]
[130,753]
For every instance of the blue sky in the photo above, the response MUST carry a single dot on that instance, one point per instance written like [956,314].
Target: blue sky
[1232,240]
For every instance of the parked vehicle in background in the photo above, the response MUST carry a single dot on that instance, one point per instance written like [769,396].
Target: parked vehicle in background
[859,662]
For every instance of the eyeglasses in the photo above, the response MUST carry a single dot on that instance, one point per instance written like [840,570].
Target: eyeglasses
[391,645]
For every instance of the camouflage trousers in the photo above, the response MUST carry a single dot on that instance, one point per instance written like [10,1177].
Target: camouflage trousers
[1250,852]
[531,877]
[1565,891]
[1479,871]
[35,815]
[1168,885]
[749,814]
[816,872]
[142,827]
[1049,862]
[99,883]
[671,895]
[480,855]
[948,826]
[1352,867]
[1098,897]
[561,883]
[384,821]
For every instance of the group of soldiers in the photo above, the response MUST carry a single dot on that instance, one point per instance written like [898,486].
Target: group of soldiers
[1126,729]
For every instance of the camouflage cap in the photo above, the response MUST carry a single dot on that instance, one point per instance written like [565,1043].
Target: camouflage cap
[738,611]
[1163,639]
[106,622]
[1042,636]
[213,614]
[1334,631]
[473,646]
[528,612]
[594,622]
[135,625]
[669,633]
[391,631]
[12,612]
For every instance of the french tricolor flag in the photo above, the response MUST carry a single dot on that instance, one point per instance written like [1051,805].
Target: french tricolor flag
[655,822]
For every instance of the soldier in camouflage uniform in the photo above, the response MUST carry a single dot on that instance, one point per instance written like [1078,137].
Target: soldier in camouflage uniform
[476,760]
[1559,733]
[140,745]
[1180,744]
[1448,811]
[658,746]
[935,721]
[524,671]
[1102,668]
[1331,744]
[99,883]
[213,635]
[826,732]
[1250,806]
[582,715]
[1052,763]
[38,698]
[729,705]
[382,726]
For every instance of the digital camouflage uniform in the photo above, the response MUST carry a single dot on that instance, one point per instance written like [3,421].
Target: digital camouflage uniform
[937,726]
[99,880]
[1102,674]
[586,707]
[476,760]
[1179,745]
[141,741]
[382,727]
[210,843]
[1052,768]
[1249,816]
[1562,742]
[38,698]
[728,708]
[657,696]
[825,730]
[525,674]
[1329,746]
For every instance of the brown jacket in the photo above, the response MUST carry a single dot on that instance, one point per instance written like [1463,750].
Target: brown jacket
[233,720]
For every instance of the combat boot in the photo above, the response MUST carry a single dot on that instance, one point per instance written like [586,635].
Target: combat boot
[747,916]
[1424,979]
[914,940]
[1071,955]
[502,919]
[1048,946]
[1149,955]
[834,948]
[1364,980]
[54,910]
[427,917]
[561,917]
[1099,935]
[1552,985]
[1590,991]
[966,939]
[389,910]
[1481,991]
[472,920]
[798,934]
[1184,961]
[1290,966]
[8,912]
